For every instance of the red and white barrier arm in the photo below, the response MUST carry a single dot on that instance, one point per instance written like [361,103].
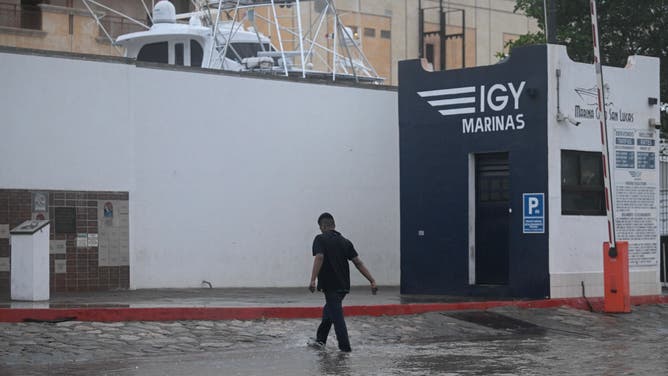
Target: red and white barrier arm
[607,178]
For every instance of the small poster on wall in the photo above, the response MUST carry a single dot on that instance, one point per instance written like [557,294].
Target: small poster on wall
[113,235]
[40,202]
[82,240]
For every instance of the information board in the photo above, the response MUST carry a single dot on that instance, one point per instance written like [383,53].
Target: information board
[636,194]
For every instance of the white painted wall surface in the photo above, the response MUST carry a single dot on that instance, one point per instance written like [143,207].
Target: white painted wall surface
[576,242]
[65,124]
[227,175]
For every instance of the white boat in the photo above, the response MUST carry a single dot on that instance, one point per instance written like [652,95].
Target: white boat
[202,39]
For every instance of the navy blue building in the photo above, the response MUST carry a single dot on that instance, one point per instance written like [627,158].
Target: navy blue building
[474,178]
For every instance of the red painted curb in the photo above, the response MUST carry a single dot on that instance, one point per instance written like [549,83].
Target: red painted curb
[254,313]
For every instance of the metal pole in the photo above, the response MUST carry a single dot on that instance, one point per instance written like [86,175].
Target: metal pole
[280,39]
[545,19]
[665,273]
[420,30]
[323,47]
[463,38]
[228,40]
[607,178]
[323,15]
[441,33]
[122,15]
[148,12]
[99,23]
[301,38]
[336,27]
[215,37]
[350,58]
[550,20]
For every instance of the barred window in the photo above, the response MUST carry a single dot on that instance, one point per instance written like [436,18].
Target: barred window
[369,32]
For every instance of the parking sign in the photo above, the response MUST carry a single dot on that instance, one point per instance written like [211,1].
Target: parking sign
[534,213]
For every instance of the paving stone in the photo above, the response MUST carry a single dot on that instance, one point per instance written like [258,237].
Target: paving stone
[186,340]
[67,324]
[24,342]
[215,344]
[109,324]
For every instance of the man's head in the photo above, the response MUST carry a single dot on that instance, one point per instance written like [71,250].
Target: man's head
[326,222]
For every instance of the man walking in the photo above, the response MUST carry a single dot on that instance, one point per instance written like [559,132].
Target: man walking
[332,252]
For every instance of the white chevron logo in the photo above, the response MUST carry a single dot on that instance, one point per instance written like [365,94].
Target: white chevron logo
[450,102]
[462,100]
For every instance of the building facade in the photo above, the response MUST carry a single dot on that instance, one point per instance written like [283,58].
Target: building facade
[387,29]
[149,181]
[502,189]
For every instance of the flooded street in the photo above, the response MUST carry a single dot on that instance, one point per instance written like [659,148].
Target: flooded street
[503,341]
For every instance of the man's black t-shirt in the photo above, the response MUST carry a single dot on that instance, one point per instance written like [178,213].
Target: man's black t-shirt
[335,273]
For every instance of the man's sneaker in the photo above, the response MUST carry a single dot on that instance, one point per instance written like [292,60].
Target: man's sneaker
[315,344]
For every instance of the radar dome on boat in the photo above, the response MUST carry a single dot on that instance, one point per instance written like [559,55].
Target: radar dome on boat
[164,12]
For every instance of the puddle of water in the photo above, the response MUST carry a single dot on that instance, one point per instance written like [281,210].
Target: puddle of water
[497,321]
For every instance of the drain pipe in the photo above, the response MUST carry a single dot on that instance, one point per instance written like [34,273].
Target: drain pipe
[591,308]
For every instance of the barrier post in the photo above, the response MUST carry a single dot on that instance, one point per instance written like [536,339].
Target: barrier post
[617,297]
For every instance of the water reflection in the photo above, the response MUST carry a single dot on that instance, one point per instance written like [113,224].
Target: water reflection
[334,363]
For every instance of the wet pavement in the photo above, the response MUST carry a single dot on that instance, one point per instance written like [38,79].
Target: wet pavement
[227,297]
[500,341]
[206,297]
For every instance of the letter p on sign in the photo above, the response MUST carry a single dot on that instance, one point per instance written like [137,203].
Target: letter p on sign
[533,206]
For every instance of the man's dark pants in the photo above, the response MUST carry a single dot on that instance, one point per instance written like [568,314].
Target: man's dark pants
[332,313]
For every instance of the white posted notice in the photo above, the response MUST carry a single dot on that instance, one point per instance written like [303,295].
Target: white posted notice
[636,193]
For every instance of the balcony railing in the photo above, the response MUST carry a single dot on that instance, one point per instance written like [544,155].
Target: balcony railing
[23,17]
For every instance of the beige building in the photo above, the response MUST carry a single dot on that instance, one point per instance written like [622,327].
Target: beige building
[488,25]
[388,29]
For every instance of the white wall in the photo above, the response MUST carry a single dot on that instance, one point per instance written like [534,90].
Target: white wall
[226,175]
[576,242]
[65,124]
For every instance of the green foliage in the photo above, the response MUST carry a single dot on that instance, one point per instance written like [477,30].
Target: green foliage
[625,28]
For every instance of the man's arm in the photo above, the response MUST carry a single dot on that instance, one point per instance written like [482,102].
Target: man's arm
[365,272]
[317,264]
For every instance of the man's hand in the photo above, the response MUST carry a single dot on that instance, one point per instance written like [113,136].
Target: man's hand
[365,272]
[311,286]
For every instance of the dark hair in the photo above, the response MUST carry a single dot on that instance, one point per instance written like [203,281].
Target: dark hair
[329,220]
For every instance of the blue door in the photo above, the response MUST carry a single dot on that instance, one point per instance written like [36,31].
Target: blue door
[492,218]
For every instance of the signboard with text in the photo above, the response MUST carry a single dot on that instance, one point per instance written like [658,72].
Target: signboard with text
[533,218]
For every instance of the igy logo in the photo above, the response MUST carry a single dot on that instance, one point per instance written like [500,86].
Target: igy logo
[468,99]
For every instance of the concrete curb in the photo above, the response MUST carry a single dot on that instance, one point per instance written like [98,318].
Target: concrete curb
[115,314]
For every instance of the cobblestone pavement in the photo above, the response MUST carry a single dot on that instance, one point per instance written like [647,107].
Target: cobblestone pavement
[503,341]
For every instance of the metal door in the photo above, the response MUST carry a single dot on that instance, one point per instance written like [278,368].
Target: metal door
[492,218]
